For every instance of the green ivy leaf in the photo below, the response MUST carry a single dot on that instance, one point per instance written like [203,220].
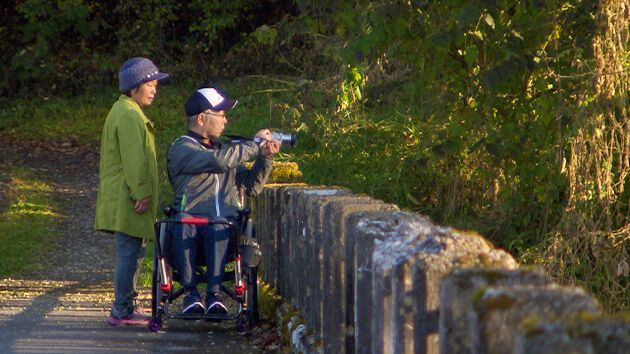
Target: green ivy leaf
[471,54]
[489,20]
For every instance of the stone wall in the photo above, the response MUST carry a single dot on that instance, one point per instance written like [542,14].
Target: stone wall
[362,276]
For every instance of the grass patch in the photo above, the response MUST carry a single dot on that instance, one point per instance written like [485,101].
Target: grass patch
[269,300]
[26,224]
[77,118]
[145,278]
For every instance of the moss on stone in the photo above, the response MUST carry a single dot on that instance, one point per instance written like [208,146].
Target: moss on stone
[471,260]
[530,325]
[285,172]
[497,301]
[479,294]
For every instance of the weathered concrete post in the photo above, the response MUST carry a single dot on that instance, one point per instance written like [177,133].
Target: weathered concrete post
[417,283]
[338,292]
[500,311]
[370,229]
[312,203]
[577,334]
[267,225]
[289,217]
[458,290]
[415,273]
[300,233]
[386,256]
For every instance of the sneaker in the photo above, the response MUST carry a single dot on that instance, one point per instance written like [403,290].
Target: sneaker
[214,305]
[192,304]
[132,320]
[139,312]
[135,316]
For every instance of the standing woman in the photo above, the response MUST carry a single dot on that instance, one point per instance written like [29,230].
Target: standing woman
[127,195]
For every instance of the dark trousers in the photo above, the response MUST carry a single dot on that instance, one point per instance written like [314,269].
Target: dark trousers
[191,242]
[129,256]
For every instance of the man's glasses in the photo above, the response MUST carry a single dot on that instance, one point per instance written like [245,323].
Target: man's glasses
[215,114]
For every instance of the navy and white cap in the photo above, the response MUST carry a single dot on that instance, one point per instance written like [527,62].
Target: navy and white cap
[136,71]
[208,98]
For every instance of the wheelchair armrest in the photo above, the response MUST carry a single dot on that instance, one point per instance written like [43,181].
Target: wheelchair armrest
[207,221]
[195,221]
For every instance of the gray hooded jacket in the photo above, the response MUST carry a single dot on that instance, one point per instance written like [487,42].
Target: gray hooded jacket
[206,179]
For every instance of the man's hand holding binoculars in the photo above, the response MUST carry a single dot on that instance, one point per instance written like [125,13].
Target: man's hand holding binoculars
[268,146]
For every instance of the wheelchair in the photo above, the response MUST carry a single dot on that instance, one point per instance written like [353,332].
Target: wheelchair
[240,281]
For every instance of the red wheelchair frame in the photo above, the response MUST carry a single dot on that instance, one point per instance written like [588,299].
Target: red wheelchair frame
[245,290]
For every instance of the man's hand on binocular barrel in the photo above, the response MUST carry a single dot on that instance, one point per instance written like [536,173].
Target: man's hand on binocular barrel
[264,134]
[271,147]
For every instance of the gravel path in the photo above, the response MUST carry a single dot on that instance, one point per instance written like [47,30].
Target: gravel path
[64,309]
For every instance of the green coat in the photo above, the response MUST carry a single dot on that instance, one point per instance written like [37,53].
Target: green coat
[127,172]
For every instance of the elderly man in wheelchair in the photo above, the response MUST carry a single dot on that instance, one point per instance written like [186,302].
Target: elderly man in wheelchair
[207,175]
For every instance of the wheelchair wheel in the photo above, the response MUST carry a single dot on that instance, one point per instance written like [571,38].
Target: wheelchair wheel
[241,325]
[155,288]
[155,325]
[251,295]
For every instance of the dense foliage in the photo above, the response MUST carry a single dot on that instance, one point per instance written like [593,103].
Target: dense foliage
[508,117]
[59,47]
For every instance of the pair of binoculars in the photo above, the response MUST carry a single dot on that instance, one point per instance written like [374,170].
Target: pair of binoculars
[284,138]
